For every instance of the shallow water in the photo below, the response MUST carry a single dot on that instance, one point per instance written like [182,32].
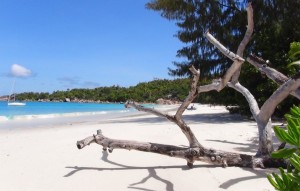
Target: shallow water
[50,121]
[51,114]
[43,109]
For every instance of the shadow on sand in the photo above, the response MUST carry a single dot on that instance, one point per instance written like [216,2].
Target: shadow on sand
[169,186]
[213,118]
[241,147]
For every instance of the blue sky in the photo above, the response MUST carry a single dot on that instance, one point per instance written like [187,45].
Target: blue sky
[65,44]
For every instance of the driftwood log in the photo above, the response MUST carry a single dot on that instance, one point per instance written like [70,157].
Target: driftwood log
[190,154]
[195,151]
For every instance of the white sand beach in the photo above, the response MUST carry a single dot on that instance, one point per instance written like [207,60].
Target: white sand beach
[45,157]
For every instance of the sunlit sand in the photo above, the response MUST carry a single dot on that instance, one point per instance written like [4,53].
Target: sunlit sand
[45,157]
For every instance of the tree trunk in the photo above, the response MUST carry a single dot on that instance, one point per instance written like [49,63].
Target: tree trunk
[265,142]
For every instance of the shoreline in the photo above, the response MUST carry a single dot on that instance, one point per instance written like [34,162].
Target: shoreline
[63,119]
[20,113]
[57,115]
[46,158]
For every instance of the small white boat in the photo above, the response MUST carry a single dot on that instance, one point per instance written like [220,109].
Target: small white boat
[14,102]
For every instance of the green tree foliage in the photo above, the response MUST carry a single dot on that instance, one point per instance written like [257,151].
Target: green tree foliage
[276,26]
[294,54]
[142,92]
[288,180]
[195,17]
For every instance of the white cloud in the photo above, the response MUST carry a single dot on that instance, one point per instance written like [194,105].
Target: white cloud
[20,71]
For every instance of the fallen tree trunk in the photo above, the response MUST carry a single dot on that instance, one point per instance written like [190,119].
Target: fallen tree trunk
[190,154]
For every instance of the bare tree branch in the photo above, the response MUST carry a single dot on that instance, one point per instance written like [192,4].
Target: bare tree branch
[245,41]
[209,87]
[250,98]
[237,62]
[192,94]
[177,118]
[280,94]
[153,111]
[249,31]
[273,74]
[232,56]
[233,72]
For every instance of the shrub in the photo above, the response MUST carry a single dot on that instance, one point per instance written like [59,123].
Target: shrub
[289,179]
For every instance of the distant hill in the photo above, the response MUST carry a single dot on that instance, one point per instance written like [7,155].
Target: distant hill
[176,89]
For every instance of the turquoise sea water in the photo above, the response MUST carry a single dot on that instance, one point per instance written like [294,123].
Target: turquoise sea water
[60,114]
[44,109]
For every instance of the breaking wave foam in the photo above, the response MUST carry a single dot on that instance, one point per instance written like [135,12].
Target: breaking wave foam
[55,115]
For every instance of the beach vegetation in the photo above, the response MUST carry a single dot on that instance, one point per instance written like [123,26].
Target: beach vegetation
[151,91]
[288,180]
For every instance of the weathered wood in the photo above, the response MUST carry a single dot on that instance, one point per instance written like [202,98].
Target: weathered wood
[249,97]
[177,118]
[265,144]
[192,94]
[233,72]
[231,55]
[267,109]
[271,73]
[245,41]
[191,154]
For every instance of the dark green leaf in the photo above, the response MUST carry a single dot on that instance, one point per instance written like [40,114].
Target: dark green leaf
[295,111]
[272,181]
[284,153]
[293,130]
[294,49]
[296,63]
[285,178]
[279,133]
[296,157]
[279,181]
[283,136]
[295,161]
[294,177]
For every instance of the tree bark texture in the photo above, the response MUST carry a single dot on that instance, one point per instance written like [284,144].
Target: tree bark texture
[265,143]
[190,154]
[271,73]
